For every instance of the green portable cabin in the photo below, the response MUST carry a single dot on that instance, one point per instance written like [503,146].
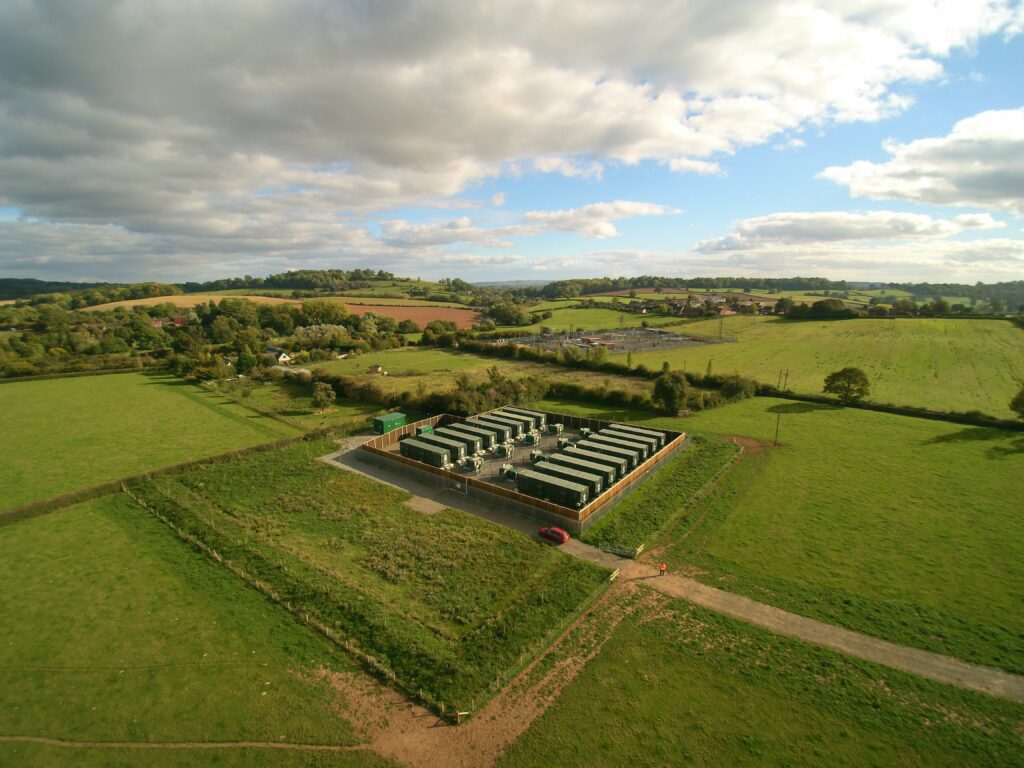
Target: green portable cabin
[456,450]
[641,448]
[605,471]
[658,435]
[550,488]
[418,450]
[631,455]
[388,422]
[525,422]
[515,426]
[593,482]
[540,420]
[650,442]
[618,464]
[487,437]
[473,443]
[427,430]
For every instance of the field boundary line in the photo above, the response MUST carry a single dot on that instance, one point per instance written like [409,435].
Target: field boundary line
[988,422]
[75,374]
[54,503]
[181,745]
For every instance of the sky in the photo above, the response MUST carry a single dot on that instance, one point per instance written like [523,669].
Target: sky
[185,140]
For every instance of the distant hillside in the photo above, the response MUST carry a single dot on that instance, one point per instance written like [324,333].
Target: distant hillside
[22,288]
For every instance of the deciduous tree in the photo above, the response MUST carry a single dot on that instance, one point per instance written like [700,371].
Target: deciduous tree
[849,385]
[323,395]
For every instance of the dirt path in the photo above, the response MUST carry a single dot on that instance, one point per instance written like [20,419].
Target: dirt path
[398,729]
[933,666]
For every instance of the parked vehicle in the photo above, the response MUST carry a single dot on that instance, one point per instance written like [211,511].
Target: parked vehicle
[554,533]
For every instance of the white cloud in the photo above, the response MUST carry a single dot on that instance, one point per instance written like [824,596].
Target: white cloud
[498,199]
[979,163]
[275,127]
[792,143]
[594,220]
[794,228]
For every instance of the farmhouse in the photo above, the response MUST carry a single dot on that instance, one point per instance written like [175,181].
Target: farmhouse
[570,470]
[280,356]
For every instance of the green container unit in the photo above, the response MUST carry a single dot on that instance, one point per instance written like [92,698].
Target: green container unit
[618,464]
[604,471]
[388,422]
[642,448]
[650,442]
[515,427]
[424,430]
[456,450]
[525,422]
[417,450]
[631,455]
[594,483]
[550,488]
[502,432]
[540,420]
[487,437]
[657,434]
[473,443]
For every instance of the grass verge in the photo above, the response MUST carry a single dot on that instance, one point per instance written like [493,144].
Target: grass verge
[448,605]
[679,685]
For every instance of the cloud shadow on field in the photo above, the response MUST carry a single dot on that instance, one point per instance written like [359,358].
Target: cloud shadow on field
[1008,445]
[802,408]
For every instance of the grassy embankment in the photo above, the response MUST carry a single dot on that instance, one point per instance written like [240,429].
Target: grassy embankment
[902,528]
[115,631]
[449,603]
[678,685]
[941,364]
[74,433]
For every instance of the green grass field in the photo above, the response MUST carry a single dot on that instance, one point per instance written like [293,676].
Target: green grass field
[293,402]
[678,685]
[78,432]
[902,528]
[123,633]
[436,370]
[448,602]
[958,365]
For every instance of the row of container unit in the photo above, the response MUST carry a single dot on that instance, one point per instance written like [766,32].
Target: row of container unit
[417,449]
[550,488]
[581,471]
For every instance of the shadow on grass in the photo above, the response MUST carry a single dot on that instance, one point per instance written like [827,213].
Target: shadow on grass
[802,408]
[1009,445]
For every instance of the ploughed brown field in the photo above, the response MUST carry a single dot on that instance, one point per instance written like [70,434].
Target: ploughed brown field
[463,318]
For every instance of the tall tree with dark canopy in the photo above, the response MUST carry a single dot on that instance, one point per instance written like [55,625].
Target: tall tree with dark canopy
[848,384]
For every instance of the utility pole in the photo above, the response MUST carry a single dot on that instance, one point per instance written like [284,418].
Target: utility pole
[783,382]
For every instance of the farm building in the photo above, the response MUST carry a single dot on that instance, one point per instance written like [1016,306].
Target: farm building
[574,470]
[280,356]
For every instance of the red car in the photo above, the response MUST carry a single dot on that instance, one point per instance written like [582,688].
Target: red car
[554,534]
